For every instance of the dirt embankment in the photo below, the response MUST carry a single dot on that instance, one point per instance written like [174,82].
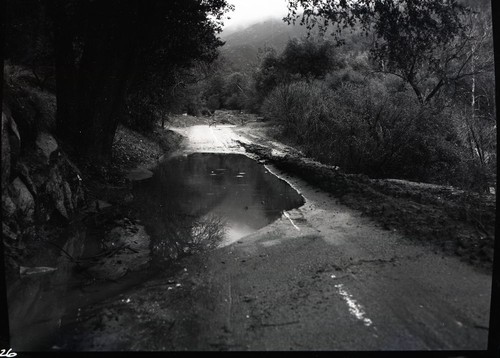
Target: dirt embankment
[449,220]
[131,149]
[110,211]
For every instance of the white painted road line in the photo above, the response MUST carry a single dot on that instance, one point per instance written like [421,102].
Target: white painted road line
[289,218]
[354,308]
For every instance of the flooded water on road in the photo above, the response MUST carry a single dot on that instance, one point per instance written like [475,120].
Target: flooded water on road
[191,204]
[207,200]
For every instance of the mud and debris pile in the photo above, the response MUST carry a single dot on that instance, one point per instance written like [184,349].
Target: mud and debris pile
[233,117]
[452,221]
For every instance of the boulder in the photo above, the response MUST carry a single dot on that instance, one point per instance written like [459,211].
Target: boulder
[27,271]
[139,174]
[56,191]
[68,202]
[24,199]
[55,182]
[46,145]
[71,176]
[8,206]
[5,151]
[7,233]
[11,144]
[24,173]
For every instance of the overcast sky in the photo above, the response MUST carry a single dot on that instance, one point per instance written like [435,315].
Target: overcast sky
[251,11]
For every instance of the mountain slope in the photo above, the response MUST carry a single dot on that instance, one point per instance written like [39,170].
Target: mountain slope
[242,47]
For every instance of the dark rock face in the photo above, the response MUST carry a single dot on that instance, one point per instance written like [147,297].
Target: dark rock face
[45,146]
[39,186]
[11,143]
[23,200]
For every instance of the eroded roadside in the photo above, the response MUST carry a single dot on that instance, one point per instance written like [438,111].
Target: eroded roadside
[448,220]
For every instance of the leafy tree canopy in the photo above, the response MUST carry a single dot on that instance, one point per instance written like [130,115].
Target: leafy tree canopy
[106,49]
[301,59]
[410,35]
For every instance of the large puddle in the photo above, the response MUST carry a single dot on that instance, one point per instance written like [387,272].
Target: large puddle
[191,204]
[207,200]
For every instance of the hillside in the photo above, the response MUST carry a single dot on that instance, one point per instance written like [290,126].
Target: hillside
[242,46]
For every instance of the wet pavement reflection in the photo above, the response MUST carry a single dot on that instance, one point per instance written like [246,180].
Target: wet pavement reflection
[205,200]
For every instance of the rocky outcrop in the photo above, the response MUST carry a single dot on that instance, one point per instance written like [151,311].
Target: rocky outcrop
[45,146]
[40,185]
[23,200]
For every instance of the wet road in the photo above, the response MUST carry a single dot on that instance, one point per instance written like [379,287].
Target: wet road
[219,197]
[211,139]
[322,277]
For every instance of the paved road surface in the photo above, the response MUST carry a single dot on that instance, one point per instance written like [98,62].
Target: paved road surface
[321,278]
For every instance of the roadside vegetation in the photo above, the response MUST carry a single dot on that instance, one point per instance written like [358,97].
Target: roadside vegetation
[403,93]
[404,107]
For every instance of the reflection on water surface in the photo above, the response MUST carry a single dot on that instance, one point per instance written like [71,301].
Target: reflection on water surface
[192,203]
[209,200]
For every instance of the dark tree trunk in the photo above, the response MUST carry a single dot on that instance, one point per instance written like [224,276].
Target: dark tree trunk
[65,69]
[97,60]
[102,90]
[90,98]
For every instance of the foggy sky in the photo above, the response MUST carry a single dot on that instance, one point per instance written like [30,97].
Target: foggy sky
[248,12]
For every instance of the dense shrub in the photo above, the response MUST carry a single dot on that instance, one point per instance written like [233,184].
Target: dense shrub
[301,108]
[301,60]
[235,91]
[365,128]
[142,113]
